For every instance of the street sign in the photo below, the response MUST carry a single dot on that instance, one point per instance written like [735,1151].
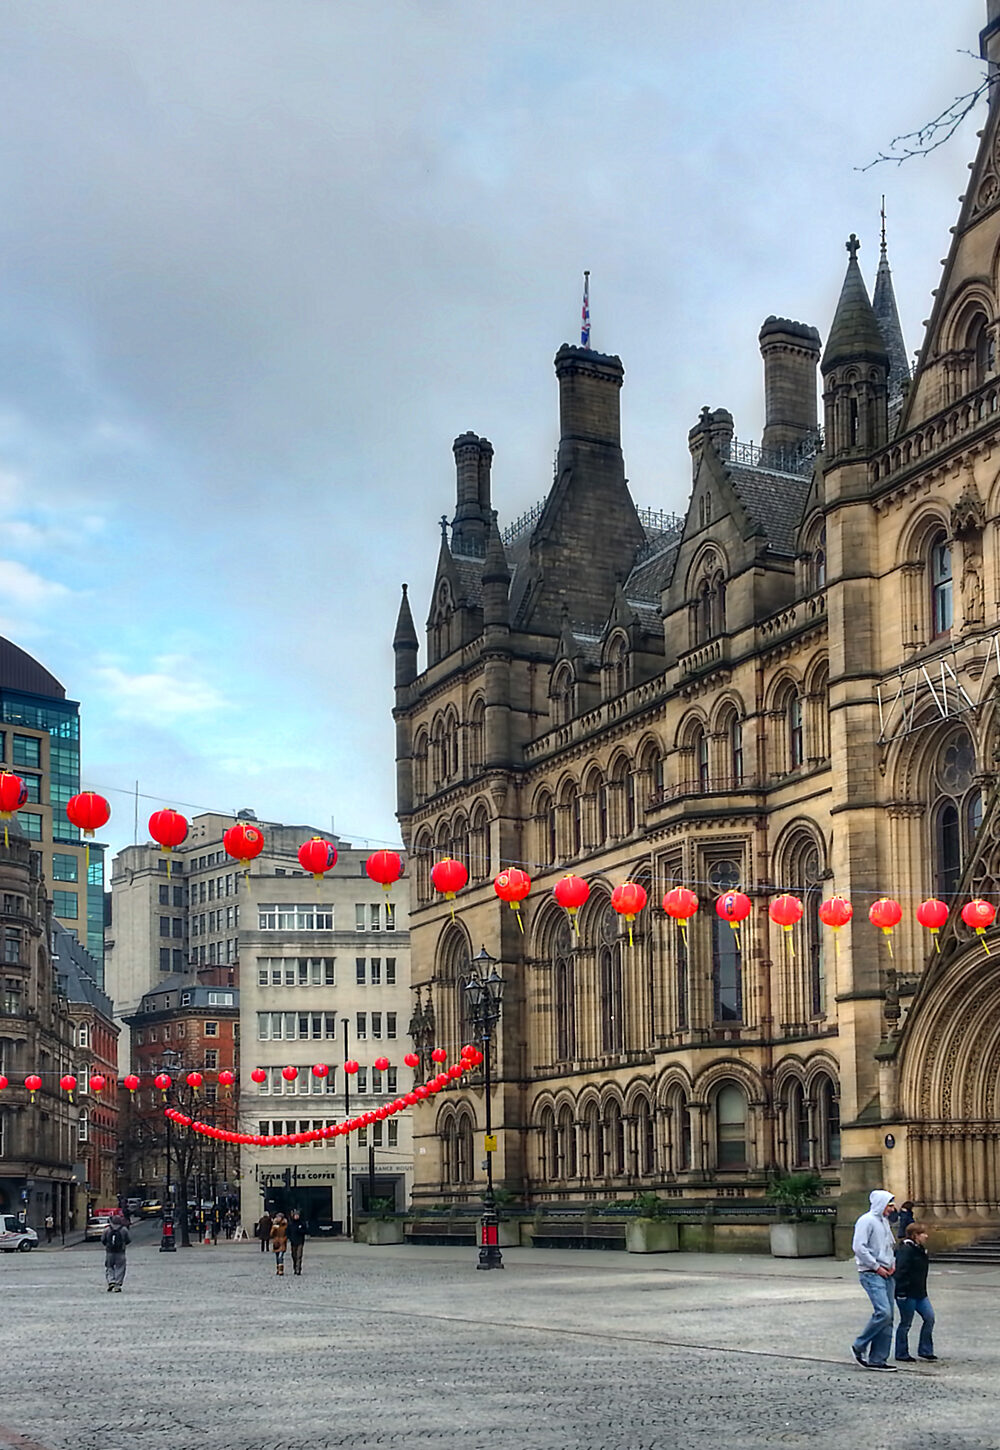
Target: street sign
[490,1143]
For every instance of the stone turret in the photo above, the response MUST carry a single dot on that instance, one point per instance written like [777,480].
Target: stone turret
[404,644]
[470,526]
[791,352]
[855,370]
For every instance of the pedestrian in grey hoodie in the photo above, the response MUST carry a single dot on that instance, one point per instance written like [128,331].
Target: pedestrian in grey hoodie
[115,1239]
[875,1255]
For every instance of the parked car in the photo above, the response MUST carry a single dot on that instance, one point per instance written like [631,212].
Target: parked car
[15,1235]
[151,1208]
[134,1205]
[95,1227]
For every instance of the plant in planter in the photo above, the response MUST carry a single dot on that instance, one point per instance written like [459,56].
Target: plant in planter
[800,1234]
[509,1226]
[651,1231]
[383,1225]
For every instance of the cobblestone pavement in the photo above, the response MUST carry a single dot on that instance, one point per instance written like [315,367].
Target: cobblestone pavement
[207,1350]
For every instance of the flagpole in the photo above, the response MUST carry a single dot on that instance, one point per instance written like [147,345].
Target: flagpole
[585,315]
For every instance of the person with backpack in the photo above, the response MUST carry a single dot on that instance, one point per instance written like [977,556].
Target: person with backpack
[911,1295]
[116,1240]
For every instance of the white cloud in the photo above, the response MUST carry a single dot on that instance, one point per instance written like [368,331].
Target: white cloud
[22,586]
[168,692]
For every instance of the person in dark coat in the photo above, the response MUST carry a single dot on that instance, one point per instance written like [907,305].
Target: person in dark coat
[911,1295]
[279,1242]
[264,1231]
[296,1238]
[906,1217]
[115,1239]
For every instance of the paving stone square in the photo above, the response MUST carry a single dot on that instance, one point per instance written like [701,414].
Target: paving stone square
[207,1349]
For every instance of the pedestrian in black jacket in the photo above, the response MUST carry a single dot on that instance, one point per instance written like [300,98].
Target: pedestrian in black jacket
[296,1238]
[911,1295]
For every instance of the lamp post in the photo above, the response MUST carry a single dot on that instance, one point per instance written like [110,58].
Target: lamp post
[484,993]
[168,1243]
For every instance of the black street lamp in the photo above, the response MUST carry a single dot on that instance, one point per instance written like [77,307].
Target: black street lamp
[483,994]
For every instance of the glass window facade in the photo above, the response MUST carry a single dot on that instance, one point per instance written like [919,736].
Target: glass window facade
[65,867]
[66,903]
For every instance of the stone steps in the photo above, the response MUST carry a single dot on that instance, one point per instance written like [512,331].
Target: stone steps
[983,1251]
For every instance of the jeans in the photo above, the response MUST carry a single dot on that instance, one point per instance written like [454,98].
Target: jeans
[907,1309]
[876,1336]
[114,1268]
[297,1257]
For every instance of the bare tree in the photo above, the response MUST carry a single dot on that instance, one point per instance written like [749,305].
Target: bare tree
[934,133]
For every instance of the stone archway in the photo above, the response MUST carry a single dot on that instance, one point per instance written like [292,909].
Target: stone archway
[950,1091]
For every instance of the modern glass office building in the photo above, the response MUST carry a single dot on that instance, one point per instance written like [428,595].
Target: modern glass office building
[40,741]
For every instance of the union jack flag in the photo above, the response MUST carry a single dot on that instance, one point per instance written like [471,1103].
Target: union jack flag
[585,318]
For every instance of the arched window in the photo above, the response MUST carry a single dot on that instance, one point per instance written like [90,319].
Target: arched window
[828,1105]
[464,1144]
[545,819]
[956,810]
[734,738]
[678,1127]
[801,870]
[612,1006]
[646,1137]
[981,346]
[593,1142]
[439,754]
[731,1126]
[449,1151]
[460,840]
[564,995]
[797,1111]
[571,809]
[451,755]
[796,731]
[476,717]
[479,844]
[719,599]
[698,746]
[562,696]
[567,1142]
[625,782]
[727,974]
[704,613]
[420,766]
[423,851]
[597,810]
[817,563]
[614,1126]
[549,1146]
[616,669]
[942,608]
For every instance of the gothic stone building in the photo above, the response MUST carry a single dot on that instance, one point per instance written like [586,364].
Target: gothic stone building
[791,688]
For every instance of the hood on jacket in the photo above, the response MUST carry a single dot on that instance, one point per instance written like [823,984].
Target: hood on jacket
[116,1221]
[879,1198]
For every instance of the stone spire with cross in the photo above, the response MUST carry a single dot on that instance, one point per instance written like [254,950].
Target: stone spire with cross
[855,335]
[887,316]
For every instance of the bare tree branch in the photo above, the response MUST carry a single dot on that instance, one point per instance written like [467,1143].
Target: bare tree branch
[936,132]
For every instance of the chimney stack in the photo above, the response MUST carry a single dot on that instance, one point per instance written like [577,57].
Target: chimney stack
[791,354]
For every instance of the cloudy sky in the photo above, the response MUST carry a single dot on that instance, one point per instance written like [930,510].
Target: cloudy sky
[262,260]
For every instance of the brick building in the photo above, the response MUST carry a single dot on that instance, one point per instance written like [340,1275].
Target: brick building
[789,688]
[95,1044]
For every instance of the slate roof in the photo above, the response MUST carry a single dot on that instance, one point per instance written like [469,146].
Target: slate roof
[470,578]
[78,971]
[774,500]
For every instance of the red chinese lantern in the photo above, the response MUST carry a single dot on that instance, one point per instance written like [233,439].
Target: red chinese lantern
[412,1060]
[979,914]
[628,900]
[734,907]
[933,914]
[88,811]
[131,1082]
[163,1081]
[289,1073]
[469,1050]
[259,1075]
[785,911]
[571,893]
[475,1058]
[384,867]
[448,877]
[194,1080]
[885,914]
[317,856]
[681,904]
[243,842]
[455,1071]
[226,1078]
[13,794]
[33,1083]
[835,914]
[420,1092]
[68,1084]
[513,886]
[98,1083]
[3,1082]
[381,1063]
[321,1069]
[439,1055]
[350,1067]
[168,829]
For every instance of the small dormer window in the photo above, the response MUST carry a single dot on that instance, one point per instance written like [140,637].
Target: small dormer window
[983,349]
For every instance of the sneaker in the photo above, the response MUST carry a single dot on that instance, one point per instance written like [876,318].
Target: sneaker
[932,1358]
[905,1359]
[110,1288]
[889,1368]
[859,1356]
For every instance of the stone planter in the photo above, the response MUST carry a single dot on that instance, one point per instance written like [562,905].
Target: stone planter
[802,1240]
[384,1231]
[651,1236]
[510,1233]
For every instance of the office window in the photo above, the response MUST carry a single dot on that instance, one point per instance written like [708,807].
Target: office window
[290,916]
[65,903]
[164,890]
[376,971]
[164,959]
[164,925]
[211,1057]
[83,1121]
[362,1078]
[220,999]
[361,1030]
[177,928]
[211,1029]
[393,1127]
[375,911]
[27,751]
[390,916]
[360,917]
[83,1035]
[376,1081]
[166,1032]
[390,971]
[359,971]
[390,1080]
[376,1135]
[30,824]
[65,867]
[362,1137]
[178,957]
[390,1024]
[376,1024]
[33,785]
[177,895]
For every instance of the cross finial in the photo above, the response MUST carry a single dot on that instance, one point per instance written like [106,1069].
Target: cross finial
[853,247]
[444,526]
[883,228]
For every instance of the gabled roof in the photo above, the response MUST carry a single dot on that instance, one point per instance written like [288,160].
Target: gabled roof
[774,500]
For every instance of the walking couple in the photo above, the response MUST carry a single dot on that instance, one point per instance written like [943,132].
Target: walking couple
[890,1279]
[288,1234]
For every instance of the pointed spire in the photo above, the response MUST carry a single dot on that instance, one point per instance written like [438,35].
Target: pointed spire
[887,316]
[496,578]
[855,335]
[404,642]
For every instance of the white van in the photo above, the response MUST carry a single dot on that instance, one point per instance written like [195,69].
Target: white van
[15,1234]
